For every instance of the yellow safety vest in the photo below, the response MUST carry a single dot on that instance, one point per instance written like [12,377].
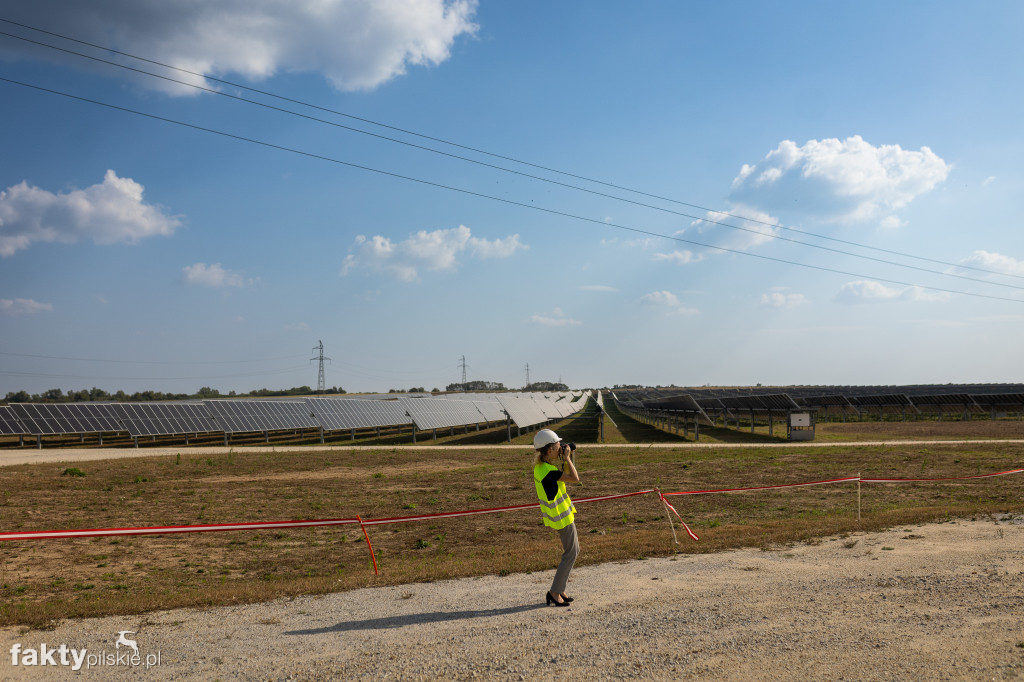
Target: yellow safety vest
[557,513]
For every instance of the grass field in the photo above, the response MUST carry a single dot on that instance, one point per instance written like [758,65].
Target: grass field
[43,581]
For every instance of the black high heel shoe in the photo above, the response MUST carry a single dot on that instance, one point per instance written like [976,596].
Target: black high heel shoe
[566,598]
[551,601]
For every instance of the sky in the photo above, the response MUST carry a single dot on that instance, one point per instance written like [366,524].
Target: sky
[655,193]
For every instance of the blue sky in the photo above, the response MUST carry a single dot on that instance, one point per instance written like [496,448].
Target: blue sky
[140,254]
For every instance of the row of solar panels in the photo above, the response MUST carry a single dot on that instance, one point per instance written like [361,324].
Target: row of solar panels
[806,392]
[256,416]
[766,402]
[693,404]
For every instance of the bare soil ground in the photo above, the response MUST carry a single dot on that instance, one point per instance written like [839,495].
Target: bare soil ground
[923,602]
[917,430]
[339,620]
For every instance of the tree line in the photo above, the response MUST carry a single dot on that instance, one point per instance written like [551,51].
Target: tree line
[56,395]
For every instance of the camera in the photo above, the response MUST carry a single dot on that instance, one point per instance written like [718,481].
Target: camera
[571,447]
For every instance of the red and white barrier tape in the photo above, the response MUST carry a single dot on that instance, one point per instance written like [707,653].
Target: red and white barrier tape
[267,525]
[492,510]
[156,530]
[766,487]
[956,478]
[668,504]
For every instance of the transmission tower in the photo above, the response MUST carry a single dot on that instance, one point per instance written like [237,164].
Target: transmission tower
[527,376]
[462,363]
[321,385]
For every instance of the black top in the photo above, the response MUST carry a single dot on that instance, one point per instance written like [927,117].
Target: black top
[550,484]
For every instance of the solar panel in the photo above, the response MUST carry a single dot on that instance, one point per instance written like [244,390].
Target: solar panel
[248,416]
[165,419]
[523,411]
[339,414]
[960,402]
[9,424]
[562,406]
[826,401]
[778,401]
[491,410]
[1001,400]
[678,403]
[487,403]
[888,400]
[435,413]
[66,418]
[955,399]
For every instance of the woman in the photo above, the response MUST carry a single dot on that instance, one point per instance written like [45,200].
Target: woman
[556,508]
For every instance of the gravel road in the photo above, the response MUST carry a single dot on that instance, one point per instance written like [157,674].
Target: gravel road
[73,455]
[931,602]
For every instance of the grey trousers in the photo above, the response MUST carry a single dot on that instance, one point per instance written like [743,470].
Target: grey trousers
[571,545]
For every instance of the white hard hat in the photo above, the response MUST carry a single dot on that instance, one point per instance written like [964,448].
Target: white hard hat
[544,438]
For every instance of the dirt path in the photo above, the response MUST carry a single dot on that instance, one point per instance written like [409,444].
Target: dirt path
[54,455]
[938,601]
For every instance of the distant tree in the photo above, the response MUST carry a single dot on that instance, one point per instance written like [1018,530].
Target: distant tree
[52,395]
[18,397]
[98,394]
[476,386]
[546,386]
[414,389]
[207,393]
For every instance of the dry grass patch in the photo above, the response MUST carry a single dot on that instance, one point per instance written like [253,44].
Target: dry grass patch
[41,581]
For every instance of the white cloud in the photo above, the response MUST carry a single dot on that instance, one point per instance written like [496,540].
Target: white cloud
[868,291]
[437,250]
[497,248]
[666,299]
[110,212]
[919,294]
[839,180]
[23,306]
[777,299]
[996,262]
[597,287]
[989,180]
[643,243]
[758,228]
[685,257]
[355,44]
[214,275]
[555,318]
[660,298]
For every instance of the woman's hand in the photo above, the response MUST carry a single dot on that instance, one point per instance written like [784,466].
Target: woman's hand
[569,473]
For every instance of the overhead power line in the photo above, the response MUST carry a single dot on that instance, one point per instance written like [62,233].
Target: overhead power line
[109,378]
[482,195]
[773,225]
[151,362]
